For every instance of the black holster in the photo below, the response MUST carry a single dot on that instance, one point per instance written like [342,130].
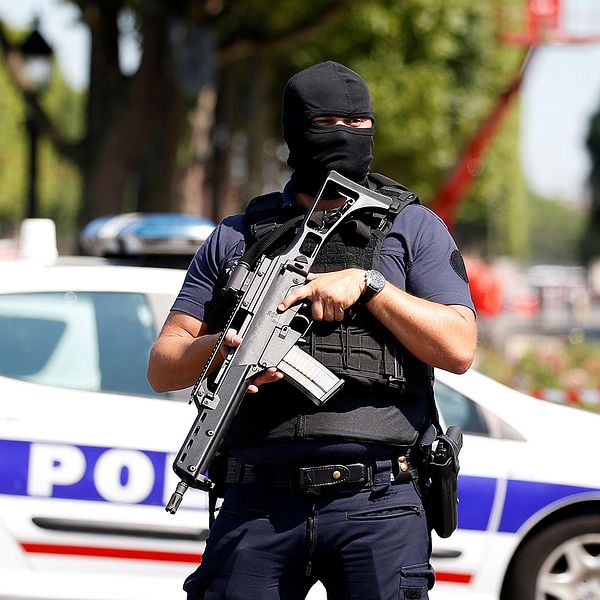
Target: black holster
[440,489]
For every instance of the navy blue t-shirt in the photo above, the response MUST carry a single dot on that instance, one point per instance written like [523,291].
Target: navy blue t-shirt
[418,256]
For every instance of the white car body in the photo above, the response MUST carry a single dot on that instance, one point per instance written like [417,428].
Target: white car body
[85,475]
[509,487]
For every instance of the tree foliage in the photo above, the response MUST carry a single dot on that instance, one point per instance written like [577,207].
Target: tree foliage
[197,125]
[590,244]
[556,231]
[12,153]
[59,180]
[436,69]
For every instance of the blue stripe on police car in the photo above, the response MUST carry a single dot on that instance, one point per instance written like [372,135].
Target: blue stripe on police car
[526,498]
[82,472]
[476,500]
[132,476]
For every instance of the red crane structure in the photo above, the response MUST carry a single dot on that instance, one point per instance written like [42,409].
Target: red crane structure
[544,22]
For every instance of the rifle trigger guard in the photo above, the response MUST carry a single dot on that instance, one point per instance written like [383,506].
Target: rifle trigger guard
[301,321]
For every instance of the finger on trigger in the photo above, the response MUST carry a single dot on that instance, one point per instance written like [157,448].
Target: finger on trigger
[290,299]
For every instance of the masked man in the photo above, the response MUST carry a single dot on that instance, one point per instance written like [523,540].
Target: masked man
[329,493]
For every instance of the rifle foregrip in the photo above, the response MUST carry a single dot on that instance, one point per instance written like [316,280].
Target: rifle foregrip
[316,381]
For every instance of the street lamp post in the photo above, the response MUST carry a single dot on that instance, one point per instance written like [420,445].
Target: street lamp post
[36,55]
[32,172]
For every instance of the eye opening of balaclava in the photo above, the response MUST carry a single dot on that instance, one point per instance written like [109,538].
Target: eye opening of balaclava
[326,89]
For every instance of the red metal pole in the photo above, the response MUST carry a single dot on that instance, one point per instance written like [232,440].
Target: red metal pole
[458,182]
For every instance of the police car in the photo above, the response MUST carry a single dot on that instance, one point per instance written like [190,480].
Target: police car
[86,449]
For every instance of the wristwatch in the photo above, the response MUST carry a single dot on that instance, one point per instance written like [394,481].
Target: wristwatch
[375,282]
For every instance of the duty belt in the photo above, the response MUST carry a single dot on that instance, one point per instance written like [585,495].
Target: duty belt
[358,476]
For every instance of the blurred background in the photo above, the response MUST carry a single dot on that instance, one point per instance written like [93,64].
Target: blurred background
[490,111]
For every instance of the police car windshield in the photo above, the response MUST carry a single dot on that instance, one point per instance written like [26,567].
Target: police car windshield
[94,341]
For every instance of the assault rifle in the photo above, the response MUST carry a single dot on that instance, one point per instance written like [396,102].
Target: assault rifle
[259,284]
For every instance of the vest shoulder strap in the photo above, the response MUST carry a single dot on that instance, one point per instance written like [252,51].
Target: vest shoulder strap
[263,204]
[263,213]
[386,186]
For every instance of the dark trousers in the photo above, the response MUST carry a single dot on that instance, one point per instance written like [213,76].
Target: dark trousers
[268,543]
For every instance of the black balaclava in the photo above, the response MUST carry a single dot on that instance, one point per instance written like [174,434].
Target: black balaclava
[326,89]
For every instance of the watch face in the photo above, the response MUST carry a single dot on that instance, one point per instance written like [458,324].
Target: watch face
[375,281]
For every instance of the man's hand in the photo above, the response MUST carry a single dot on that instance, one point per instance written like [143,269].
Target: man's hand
[233,340]
[330,293]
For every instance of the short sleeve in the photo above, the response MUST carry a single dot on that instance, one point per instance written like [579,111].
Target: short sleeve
[420,256]
[206,273]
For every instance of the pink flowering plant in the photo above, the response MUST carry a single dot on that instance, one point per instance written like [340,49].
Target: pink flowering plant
[559,364]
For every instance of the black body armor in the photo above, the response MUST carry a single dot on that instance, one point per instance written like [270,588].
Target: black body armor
[387,391]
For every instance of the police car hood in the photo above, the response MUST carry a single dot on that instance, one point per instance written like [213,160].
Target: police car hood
[46,413]
[536,420]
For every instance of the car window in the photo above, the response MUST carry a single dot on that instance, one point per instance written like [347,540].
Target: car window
[95,341]
[459,410]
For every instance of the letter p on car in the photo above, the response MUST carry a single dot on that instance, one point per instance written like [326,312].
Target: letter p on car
[51,465]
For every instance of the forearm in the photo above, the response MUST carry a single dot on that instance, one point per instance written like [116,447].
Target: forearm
[441,336]
[176,361]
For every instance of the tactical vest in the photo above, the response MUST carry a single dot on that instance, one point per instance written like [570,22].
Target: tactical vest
[387,391]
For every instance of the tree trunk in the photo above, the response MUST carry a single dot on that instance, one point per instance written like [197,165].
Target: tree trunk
[259,112]
[244,132]
[122,117]
[193,189]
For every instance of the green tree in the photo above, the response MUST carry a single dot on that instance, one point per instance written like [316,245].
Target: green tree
[168,135]
[495,218]
[129,149]
[436,69]
[12,153]
[590,243]
[556,231]
[59,179]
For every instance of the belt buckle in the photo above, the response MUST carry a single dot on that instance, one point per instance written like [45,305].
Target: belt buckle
[318,479]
